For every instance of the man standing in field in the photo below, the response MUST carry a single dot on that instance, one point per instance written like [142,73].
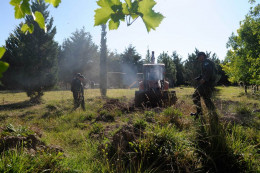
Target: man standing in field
[78,91]
[206,82]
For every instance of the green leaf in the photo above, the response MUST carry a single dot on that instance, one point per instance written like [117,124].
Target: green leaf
[3,67]
[26,7]
[150,18]
[104,13]
[113,25]
[2,52]
[125,9]
[18,12]
[116,2]
[27,28]
[39,19]
[55,3]
[129,3]
[15,2]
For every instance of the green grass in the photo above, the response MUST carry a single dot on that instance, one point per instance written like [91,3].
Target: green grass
[169,133]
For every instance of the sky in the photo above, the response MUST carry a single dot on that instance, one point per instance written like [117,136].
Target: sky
[188,24]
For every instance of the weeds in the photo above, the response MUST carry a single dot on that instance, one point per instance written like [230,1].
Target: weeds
[163,150]
[105,116]
[96,129]
[214,149]
[244,110]
[140,124]
[10,130]
[140,141]
[19,161]
[172,115]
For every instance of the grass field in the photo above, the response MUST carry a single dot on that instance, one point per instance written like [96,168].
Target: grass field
[110,136]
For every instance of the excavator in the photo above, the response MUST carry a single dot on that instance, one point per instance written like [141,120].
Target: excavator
[153,87]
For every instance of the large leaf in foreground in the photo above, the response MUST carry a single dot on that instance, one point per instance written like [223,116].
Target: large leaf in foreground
[2,51]
[103,13]
[55,3]
[149,16]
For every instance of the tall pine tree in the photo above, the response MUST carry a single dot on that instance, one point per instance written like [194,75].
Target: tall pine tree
[179,69]
[103,62]
[170,69]
[32,57]
[79,54]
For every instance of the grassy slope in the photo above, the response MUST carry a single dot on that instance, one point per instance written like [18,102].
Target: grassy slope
[70,130]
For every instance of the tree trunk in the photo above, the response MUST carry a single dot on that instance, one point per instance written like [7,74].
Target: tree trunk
[245,87]
[103,62]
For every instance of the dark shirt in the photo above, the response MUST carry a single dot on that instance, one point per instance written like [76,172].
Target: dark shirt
[208,72]
[76,85]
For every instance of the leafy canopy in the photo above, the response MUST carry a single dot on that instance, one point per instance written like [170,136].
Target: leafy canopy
[243,58]
[114,11]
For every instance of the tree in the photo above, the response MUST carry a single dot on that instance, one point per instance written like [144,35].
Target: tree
[114,62]
[79,54]
[130,56]
[192,67]
[33,58]
[147,57]
[179,69]
[103,61]
[170,68]
[131,64]
[242,63]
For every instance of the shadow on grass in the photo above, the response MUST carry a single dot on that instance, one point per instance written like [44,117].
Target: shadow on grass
[19,105]
[212,147]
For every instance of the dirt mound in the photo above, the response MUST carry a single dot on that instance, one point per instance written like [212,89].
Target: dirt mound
[30,143]
[128,133]
[116,104]
[11,138]
[105,116]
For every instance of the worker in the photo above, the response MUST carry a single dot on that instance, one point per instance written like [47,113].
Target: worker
[206,82]
[78,91]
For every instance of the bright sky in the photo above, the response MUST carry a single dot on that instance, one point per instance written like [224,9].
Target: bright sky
[189,24]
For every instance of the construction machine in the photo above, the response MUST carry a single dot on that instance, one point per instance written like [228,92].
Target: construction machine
[153,88]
